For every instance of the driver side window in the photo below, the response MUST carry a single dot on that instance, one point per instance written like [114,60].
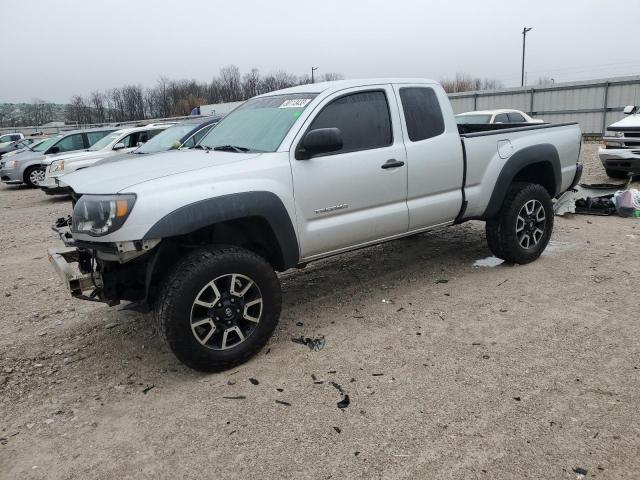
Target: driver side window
[362,118]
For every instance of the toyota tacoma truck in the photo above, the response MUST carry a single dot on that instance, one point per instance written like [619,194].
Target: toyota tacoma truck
[620,154]
[294,176]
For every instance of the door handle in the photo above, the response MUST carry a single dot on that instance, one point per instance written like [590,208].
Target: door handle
[392,163]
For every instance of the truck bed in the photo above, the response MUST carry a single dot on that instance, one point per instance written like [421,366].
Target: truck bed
[488,152]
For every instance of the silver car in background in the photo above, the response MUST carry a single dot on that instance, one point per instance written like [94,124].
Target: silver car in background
[28,167]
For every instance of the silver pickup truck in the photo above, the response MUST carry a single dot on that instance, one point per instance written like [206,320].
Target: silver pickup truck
[294,176]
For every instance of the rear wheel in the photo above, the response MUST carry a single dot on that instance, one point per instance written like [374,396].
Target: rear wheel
[218,307]
[522,229]
[615,173]
[33,176]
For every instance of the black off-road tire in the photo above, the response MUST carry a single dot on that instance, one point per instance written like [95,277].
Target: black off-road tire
[29,171]
[501,230]
[175,298]
[616,173]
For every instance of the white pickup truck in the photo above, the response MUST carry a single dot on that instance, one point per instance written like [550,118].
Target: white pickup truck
[620,154]
[294,176]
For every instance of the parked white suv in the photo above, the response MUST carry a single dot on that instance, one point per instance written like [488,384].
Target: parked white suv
[294,176]
[120,141]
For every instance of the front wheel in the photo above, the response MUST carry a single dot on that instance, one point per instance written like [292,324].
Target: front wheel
[522,229]
[218,307]
[34,176]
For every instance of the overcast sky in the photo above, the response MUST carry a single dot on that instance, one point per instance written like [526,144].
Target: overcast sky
[52,49]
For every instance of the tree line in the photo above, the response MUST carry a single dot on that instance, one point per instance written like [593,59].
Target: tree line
[174,98]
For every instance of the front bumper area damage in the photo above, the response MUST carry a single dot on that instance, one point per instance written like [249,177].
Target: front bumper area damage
[103,272]
[86,286]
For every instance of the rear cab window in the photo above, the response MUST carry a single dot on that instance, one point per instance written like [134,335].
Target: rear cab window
[422,113]
[362,117]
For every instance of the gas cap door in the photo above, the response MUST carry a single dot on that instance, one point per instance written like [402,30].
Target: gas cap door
[505,149]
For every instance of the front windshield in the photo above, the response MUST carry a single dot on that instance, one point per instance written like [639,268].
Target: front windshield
[259,124]
[104,141]
[167,139]
[42,146]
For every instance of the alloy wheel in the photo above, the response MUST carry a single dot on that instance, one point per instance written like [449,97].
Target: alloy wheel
[226,311]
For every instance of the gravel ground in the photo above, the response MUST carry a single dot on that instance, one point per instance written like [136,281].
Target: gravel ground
[452,370]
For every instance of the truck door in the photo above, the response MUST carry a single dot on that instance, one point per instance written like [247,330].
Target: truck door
[356,194]
[434,154]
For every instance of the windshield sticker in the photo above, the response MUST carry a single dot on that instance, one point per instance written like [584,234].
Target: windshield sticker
[295,103]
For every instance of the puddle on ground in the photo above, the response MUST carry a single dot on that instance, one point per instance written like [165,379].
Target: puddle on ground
[488,262]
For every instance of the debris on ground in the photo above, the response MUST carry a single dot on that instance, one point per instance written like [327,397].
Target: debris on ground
[254,381]
[627,202]
[596,199]
[315,344]
[282,402]
[111,325]
[345,401]
[235,397]
[580,472]
[147,388]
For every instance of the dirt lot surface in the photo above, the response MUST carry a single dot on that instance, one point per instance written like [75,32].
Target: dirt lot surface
[452,370]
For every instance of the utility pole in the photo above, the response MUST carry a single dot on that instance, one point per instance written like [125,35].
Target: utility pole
[524,41]
[313,69]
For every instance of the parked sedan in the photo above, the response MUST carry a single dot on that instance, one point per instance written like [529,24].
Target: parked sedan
[120,141]
[27,167]
[495,116]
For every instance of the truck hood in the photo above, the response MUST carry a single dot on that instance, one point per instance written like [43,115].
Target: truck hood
[627,122]
[116,177]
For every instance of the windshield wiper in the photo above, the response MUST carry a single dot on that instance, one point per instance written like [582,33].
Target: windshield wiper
[202,147]
[231,148]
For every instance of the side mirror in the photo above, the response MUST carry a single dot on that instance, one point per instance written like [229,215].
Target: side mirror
[320,140]
[629,109]
[119,146]
[54,150]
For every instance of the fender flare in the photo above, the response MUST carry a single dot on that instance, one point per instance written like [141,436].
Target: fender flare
[201,214]
[543,153]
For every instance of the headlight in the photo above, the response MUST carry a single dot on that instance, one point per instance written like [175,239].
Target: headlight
[98,215]
[57,166]
[12,164]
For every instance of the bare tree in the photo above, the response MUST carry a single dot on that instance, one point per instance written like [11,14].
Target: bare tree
[464,82]
[97,102]
[251,83]
[331,76]
[230,84]
[178,97]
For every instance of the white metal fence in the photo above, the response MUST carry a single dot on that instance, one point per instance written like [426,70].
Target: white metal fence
[593,104]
